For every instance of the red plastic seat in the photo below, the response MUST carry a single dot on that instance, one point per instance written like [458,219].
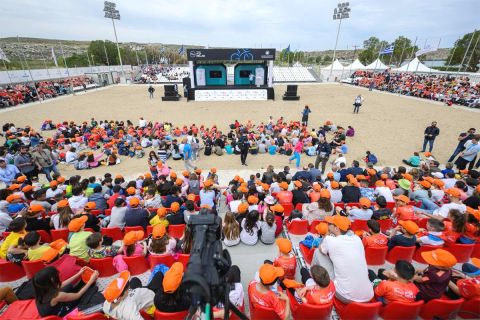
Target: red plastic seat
[135,228]
[417,256]
[183,258]
[166,259]
[114,233]
[10,271]
[400,253]
[45,237]
[287,209]
[89,229]
[401,310]
[136,265]
[104,266]
[32,267]
[149,230]
[258,312]
[356,311]
[107,212]
[309,311]
[376,256]
[299,206]
[60,234]
[390,205]
[461,251]
[476,251]
[440,309]
[23,310]
[307,253]
[96,212]
[385,224]
[422,223]
[158,315]
[93,316]
[176,231]
[313,224]
[359,225]
[340,204]
[298,227]
[470,309]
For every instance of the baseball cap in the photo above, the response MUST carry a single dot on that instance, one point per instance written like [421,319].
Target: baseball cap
[173,278]
[49,255]
[132,236]
[131,190]
[53,183]
[324,193]
[134,202]
[269,273]
[342,223]
[425,184]
[252,200]
[284,245]
[334,185]
[191,197]
[161,212]
[365,202]
[159,231]
[298,184]
[175,206]
[21,179]
[407,176]
[116,287]
[62,203]
[277,208]
[402,198]
[322,228]
[27,188]
[454,192]
[90,205]
[208,183]
[36,208]
[409,225]
[283,185]
[77,223]
[317,187]
[242,207]
[13,197]
[14,186]
[439,258]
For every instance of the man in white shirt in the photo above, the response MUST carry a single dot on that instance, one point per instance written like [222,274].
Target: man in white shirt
[347,255]
[78,201]
[441,213]
[339,160]
[382,190]
[142,123]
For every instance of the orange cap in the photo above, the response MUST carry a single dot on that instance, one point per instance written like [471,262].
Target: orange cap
[371,172]
[384,176]
[90,205]
[185,173]
[14,186]
[324,193]
[322,228]
[159,231]
[62,203]
[361,177]
[439,258]
[132,236]
[49,255]
[284,245]
[402,198]
[289,283]
[342,223]
[198,171]
[148,175]
[134,202]
[27,188]
[476,262]
[161,212]
[208,183]
[334,185]
[58,244]
[429,179]
[116,287]
[36,208]
[317,187]
[173,278]
[365,202]
[13,197]
[175,206]
[407,176]
[191,197]
[118,176]
[213,170]
[409,225]
[252,200]
[278,208]
[265,186]
[242,207]
[60,179]
[242,189]
[53,183]
[454,192]
[131,190]
[173,175]
[21,179]
[283,185]
[77,223]
[159,164]
[268,273]
[298,184]
[425,184]
[439,183]
[379,183]
[179,182]
[330,175]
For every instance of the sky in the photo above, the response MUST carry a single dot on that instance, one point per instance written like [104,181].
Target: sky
[304,24]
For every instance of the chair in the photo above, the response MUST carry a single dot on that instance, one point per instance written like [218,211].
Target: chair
[107,212]
[92,316]
[417,256]
[470,309]
[390,205]
[298,227]
[166,259]
[104,266]
[355,310]
[60,234]
[422,223]
[385,224]
[401,310]
[114,233]
[476,251]
[287,209]
[32,267]
[96,212]
[400,253]
[376,256]
[158,315]
[359,225]
[136,265]
[309,311]
[183,258]
[89,229]
[135,228]
[149,229]
[23,310]
[45,237]
[313,224]
[307,253]
[176,231]
[461,251]
[10,271]
[258,312]
[339,204]
[299,206]
[440,308]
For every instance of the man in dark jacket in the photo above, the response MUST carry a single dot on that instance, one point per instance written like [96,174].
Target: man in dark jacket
[323,153]
[430,134]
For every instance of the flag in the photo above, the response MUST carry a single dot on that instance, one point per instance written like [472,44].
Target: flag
[181,51]
[388,50]
[428,48]
[3,56]
[54,58]
[287,51]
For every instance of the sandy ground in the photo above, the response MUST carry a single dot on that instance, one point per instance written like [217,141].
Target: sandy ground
[388,125]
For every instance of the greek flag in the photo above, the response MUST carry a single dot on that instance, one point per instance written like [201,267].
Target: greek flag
[388,50]
[181,50]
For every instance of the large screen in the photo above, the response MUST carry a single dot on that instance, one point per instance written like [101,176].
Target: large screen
[215,74]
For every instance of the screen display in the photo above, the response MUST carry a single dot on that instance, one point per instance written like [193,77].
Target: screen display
[245,73]
[215,74]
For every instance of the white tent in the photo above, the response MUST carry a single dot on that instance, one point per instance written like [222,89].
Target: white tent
[414,66]
[333,72]
[376,65]
[355,65]
[336,66]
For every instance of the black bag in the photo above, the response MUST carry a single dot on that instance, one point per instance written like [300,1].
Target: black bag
[207,151]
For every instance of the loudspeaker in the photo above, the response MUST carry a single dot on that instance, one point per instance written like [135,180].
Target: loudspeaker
[292,89]
[171,93]
[291,93]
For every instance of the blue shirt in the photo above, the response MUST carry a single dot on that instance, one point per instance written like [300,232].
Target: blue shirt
[8,173]
[187,151]
[414,161]
[272,150]
[471,152]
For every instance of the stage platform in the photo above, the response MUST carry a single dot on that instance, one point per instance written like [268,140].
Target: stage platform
[231,93]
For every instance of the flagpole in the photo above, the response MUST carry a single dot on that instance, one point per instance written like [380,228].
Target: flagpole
[401,55]
[146,57]
[30,72]
[65,60]
[391,55]
[106,55]
[473,51]
[378,57]
[453,53]
[45,64]
[413,49]
[335,49]
[8,73]
[466,51]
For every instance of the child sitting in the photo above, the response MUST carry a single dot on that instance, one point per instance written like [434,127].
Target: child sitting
[161,243]
[35,250]
[159,217]
[434,234]
[395,284]
[319,289]
[97,249]
[133,245]
[374,238]
[402,210]
[413,161]
[407,229]
[286,260]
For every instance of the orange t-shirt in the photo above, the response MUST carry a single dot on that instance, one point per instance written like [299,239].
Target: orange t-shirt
[376,240]
[405,213]
[288,264]
[285,197]
[396,291]
[318,295]
[266,300]
[469,288]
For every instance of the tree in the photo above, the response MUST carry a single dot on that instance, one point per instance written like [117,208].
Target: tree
[76,60]
[97,49]
[372,47]
[327,59]
[403,50]
[473,55]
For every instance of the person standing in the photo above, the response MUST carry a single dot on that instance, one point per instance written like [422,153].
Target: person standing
[471,149]
[430,134]
[323,153]
[462,138]
[296,153]
[244,145]
[306,111]
[187,155]
[357,103]
[151,90]
[23,161]
[251,78]
[43,159]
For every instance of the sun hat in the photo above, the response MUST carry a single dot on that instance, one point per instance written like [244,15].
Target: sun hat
[410,226]
[439,258]
[404,184]
[77,223]
[342,223]
[269,273]
[173,278]
[116,287]
[284,245]
[133,236]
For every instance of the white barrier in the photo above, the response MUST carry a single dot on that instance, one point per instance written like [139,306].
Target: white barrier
[21,76]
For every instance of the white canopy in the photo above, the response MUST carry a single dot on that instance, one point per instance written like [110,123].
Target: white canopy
[414,66]
[336,66]
[376,65]
[355,65]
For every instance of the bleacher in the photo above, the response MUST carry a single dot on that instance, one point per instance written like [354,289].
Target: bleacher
[292,74]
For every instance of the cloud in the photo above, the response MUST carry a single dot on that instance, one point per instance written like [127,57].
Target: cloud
[306,25]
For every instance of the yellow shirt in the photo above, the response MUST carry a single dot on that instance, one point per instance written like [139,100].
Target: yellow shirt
[78,245]
[11,240]
[157,220]
[37,253]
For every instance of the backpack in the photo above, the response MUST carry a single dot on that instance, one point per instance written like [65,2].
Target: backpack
[119,263]
[372,158]
[208,150]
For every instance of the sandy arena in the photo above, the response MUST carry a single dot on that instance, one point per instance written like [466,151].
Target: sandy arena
[390,126]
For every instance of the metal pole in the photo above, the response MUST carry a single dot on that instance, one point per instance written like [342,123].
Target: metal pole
[146,56]
[473,51]
[106,55]
[30,72]
[136,55]
[118,50]
[453,53]
[65,60]
[8,73]
[466,51]
[335,49]
[413,48]
[401,55]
